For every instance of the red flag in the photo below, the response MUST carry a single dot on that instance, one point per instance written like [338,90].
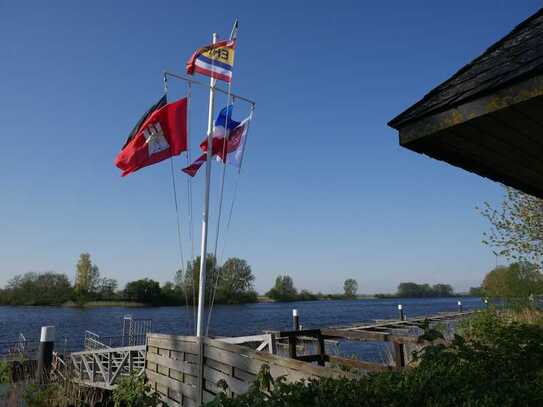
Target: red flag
[160,134]
[195,166]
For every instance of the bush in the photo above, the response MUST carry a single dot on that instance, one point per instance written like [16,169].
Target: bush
[5,372]
[498,362]
[132,391]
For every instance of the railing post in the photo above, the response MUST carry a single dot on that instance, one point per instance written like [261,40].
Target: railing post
[109,366]
[45,352]
[321,349]
[292,345]
[295,320]
[399,354]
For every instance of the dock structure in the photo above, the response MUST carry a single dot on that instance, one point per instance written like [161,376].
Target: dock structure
[188,370]
[104,368]
[403,334]
[403,331]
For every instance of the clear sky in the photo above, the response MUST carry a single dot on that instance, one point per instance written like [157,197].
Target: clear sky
[325,194]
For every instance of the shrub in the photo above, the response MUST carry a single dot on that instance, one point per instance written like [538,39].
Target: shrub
[132,391]
[5,372]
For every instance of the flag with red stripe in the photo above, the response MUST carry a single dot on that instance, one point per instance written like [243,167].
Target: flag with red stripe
[159,134]
[215,60]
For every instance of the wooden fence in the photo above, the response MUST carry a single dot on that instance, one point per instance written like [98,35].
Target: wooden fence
[173,366]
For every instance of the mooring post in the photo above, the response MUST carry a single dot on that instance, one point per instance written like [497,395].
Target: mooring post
[45,352]
[400,310]
[295,320]
[459,306]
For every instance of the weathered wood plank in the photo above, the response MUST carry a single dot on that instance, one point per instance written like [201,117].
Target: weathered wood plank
[359,364]
[187,390]
[180,366]
[243,375]
[235,385]
[171,343]
[250,360]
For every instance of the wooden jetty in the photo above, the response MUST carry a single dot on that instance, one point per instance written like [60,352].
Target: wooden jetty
[187,370]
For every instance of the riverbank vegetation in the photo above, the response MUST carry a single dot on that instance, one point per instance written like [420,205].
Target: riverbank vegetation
[232,283]
[414,290]
[497,360]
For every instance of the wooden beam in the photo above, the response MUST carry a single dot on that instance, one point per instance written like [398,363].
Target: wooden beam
[358,364]
[514,94]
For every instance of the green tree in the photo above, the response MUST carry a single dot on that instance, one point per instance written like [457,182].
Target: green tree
[283,290]
[442,290]
[515,283]
[516,227]
[410,289]
[235,282]
[144,290]
[350,287]
[171,294]
[47,288]
[87,276]
[179,278]
[106,288]
[192,278]
[476,292]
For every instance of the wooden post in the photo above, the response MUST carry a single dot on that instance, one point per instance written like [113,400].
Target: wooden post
[321,349]
[45,352]
[399,354]
[400,310]
[200,385]
[292,346]
[273,345]
[295,320]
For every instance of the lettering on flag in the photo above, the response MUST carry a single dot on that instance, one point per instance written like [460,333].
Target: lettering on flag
[215,60]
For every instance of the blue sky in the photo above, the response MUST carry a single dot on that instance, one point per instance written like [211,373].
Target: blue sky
[325,194]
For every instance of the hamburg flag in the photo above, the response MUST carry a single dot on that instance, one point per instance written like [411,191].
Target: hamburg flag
[215,60]
[159,134]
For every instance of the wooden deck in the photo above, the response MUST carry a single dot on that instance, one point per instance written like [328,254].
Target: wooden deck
[401,331]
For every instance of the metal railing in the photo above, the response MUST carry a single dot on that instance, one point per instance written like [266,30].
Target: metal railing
[105,367]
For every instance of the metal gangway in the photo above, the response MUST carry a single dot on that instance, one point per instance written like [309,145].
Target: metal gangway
[107,359]
[105,367]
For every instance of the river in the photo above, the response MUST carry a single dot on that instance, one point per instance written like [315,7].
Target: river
[227,320]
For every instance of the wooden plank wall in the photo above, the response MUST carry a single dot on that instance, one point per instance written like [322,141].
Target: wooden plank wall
[173,362]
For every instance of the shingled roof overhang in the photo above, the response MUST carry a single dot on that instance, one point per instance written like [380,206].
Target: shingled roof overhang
[488,117]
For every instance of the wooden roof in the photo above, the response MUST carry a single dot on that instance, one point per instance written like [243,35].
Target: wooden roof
[488,117]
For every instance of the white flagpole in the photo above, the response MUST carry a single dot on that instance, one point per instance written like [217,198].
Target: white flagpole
[202,280]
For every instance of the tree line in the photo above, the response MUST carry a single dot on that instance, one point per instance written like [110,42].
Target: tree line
[230,283]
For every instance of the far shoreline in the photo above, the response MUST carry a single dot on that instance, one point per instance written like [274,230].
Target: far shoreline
[260,300]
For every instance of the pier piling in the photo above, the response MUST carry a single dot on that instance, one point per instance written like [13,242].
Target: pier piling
[295,320]
[45,352]
[400,311]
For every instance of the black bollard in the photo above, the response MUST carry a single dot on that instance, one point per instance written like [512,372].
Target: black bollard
[295,320]
[45,352]
[400,310]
